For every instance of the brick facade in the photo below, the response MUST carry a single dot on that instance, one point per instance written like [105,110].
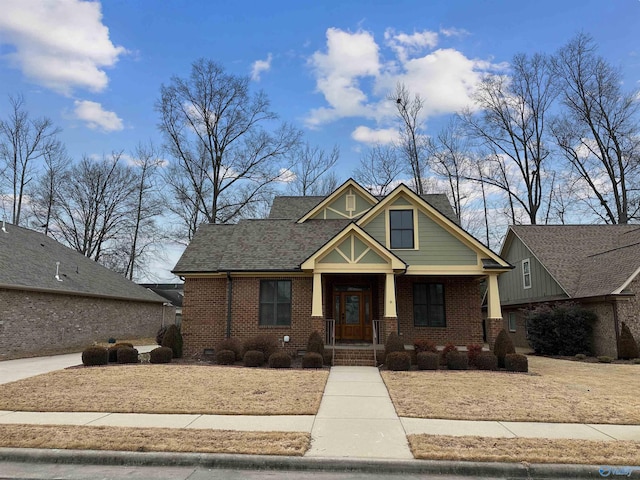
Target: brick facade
[36,323]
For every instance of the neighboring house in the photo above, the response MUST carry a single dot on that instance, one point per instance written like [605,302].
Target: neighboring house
[374,265]
[594,265]
[55,299]
[172,293]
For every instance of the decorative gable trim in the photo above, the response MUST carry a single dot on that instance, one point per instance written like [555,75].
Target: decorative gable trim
[350,189]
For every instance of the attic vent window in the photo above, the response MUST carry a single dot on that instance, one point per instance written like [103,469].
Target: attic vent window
[351,203]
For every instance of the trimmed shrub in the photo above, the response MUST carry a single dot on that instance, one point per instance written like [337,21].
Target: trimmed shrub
[561,330]
[232,344]
[580,356]
[449,347]
[315,343]
[393,344]
[420,345]
[473,351]
[160,334]
[327,357]
[502,346]
[457,361]
[95,356]
[515,362]
[113,351]
[280,360]
[627,345]
[173,340]
[398,361]
[267,344]
[160,355]
[127,355]
[253,358]
[225,357]
[428,360]
[486,361]
[312,360]
[605,359]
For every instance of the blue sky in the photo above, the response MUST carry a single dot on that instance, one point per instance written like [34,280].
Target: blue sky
[95,68]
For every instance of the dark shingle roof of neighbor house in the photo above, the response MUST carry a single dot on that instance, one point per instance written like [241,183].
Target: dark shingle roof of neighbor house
[586,260]
[28,260]
[256,245]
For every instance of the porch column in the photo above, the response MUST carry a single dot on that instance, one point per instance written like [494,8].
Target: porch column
[494,312]
[316,306]
[390,310]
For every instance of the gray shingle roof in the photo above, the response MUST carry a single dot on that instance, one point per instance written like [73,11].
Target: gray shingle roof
[256,245]
[587,260]
[28,259]
[440,202]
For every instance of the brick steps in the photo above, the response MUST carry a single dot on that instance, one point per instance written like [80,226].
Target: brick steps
[354,357]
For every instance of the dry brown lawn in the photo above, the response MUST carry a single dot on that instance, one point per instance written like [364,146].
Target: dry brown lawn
[192,389]
[532,450]
[153,439]
[553,391]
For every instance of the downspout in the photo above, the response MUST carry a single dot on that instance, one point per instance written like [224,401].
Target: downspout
[616,322]
[229,299]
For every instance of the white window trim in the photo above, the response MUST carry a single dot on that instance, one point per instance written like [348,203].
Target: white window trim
[512,317]
[526,261]
[416,236]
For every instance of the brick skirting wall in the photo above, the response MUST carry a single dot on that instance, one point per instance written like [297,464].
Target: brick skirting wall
[35,323]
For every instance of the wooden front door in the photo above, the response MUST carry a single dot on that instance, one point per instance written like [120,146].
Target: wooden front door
[353,315]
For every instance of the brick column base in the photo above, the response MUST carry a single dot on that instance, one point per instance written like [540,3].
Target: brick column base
[390,325]
[494,325]
[318,324]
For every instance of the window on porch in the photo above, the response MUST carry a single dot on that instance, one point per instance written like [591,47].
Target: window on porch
[275,302]
[428,305]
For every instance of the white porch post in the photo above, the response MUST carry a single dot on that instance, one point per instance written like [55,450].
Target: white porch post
[493,298]
[316,306]
[390,310]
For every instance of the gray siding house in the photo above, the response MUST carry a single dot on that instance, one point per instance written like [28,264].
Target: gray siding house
[596,266]
[55,299]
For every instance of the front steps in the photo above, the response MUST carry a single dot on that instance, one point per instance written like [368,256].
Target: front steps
[357,356]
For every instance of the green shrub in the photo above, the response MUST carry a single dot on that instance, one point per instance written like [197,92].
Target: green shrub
[627,345]
[160,334]
[605,359]
[95,356]
[232,344]
[327,357]
[473,350]
[421,345]
[457,360]
[486,361]
[279,360]
[398,361]
[393,344]
[173,340]
[427,360]
[225,357]
[515,362]
[113,351]
[449,347]
[502,346]
[312,360]
[580,356]
[267,344]
[127,355]
[160,355]
[565,329]
[253,358]
[636,361]
[315,343]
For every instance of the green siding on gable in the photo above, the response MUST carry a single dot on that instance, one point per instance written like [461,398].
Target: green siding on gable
[511,286]
[338,207]
[359,247]
[377,228]
[372,257]
[401,201]
[362,204]
[345,247]
[333,257]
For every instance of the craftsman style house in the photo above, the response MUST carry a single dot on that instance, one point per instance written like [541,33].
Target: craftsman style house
[596,266]
[350,265]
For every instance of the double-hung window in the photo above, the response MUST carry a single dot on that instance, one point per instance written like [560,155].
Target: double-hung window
[401,228]
[526,273]
[275,302]
[428,305]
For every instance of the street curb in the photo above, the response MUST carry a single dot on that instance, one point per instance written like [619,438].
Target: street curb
[267,462]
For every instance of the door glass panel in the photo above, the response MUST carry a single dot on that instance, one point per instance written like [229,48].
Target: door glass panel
[367,316]
[336,311]
[352,309]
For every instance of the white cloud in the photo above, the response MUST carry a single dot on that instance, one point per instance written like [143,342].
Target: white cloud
[96,117]
[454,32]
[381,136]
[260,66]
[404,44]
[286,175]
[61,45]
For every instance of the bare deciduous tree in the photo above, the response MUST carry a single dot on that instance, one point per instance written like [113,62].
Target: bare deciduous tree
[23,141]
[224,160]
[598,132]
[46,194]
[312,170]
[379,168]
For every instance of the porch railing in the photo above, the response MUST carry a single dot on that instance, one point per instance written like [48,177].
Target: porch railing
[330,337]
[376,329]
